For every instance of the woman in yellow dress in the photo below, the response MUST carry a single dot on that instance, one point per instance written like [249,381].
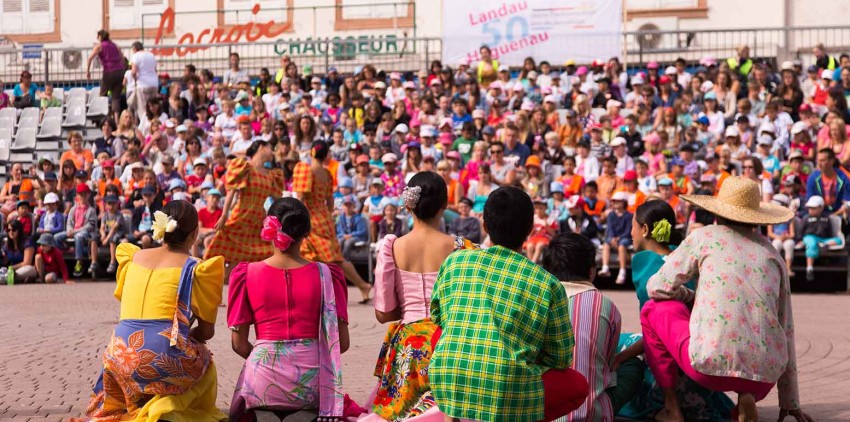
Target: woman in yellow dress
[313,185]
[156,365]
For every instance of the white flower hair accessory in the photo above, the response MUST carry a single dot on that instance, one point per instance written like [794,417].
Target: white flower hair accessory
[410,196]
[162,224]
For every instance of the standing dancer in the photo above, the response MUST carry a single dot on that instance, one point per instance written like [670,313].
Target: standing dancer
[313,185]
[248,183]
[740,335]
[404,278]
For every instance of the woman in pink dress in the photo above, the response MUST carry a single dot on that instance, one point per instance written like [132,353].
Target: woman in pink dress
[298,309]
[404,277]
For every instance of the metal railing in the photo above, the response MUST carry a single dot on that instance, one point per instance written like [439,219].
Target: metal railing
[66,67]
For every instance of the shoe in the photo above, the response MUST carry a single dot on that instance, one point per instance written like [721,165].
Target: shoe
[111,268]
[810,274]
[92,268]
[621,278]
[605,272]
[78,269]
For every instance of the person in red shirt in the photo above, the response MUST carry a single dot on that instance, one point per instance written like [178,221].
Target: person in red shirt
[49,262]
[199,174]
[207,218]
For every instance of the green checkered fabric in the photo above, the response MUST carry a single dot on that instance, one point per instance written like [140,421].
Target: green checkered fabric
[505,322]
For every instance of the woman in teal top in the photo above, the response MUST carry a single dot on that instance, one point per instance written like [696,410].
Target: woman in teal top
[655,237]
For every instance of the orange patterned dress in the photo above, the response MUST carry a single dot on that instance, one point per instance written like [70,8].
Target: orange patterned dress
[321,245]
[240,239]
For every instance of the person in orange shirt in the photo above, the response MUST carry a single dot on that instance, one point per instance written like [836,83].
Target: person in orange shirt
[107,178]
[593,206]
[608,180]
[682,184]
[630,186]
[82,158]
[570,132]
[573,183]
[714,170]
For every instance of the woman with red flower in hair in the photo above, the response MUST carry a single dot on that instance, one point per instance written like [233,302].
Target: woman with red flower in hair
[404,277]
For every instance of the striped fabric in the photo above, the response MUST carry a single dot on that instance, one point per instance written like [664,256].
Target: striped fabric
[505,321]
[596,325]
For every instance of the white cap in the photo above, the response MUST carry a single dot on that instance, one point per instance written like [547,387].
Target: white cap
[401,128]
[380,85]
[618,141]
[826,74]
[638,79]
[765,140]
[670,70]
[799,127]
[767,127]
[706,86]
[573,201]
[732,131]
[504,68]
[200,162]
[550,99]
[815,201]
[613,103]
[518,87]
[428,130]
[51,198]
[169,124]
[532,75]
[781,199]
[787,65]
[389,158]
[620,196]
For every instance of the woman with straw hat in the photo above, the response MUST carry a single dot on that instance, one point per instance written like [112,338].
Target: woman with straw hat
[740,334]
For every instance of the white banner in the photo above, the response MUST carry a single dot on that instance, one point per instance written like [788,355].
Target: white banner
[552,30]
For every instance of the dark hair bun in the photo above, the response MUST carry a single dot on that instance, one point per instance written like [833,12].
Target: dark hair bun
[186,217]
[319,150]
[433,194]
[293,216]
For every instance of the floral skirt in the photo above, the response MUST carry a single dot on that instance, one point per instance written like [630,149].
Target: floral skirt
[402,369]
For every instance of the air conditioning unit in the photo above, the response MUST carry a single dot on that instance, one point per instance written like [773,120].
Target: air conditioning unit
[72,59]
[649,41]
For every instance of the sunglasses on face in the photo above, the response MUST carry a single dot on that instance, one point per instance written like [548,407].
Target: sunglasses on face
[747,167]
[496,151]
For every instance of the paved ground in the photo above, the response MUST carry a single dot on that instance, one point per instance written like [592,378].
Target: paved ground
[53,335]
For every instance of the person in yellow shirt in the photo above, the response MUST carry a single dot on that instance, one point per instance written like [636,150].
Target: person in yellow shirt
[156,365]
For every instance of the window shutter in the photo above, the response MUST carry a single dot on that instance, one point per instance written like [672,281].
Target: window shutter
[13,6]
[12,17]
[123,14]
[40,17]
[149,14]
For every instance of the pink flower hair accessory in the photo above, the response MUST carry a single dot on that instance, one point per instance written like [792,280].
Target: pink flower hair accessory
[273,232]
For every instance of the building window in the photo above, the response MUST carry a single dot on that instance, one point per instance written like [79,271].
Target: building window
[368,14]
[135,14]
[682,9]
[241,11]
[27,16]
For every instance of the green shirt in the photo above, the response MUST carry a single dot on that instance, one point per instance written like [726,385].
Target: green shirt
[505,322]
[464,147]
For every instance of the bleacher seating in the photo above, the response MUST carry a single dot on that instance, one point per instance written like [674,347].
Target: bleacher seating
[24,139]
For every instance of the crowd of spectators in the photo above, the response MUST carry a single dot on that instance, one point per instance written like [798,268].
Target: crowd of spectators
[588,142]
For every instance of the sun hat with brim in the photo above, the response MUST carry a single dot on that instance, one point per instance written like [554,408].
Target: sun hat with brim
[739,200]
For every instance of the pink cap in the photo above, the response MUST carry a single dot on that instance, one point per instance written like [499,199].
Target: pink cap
[409,85]
[446,138]
[581,71]
[546,90]
[435,81]
[664,79]
[652,139]
[446,121]
[395,75]
[453,154]
[478,113]
[652,65]
[495,85]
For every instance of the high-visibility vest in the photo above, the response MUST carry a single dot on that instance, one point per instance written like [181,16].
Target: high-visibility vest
[742,68]
[279,76]
[832,64]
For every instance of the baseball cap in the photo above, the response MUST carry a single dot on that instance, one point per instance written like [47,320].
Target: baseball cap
[51,198]
[799,127]
[707,178]
[362,159]
[182,128]
[613,103]
[620,196]
[781,199]
[148,190]
[83,188]
[386,145]
[401,128]
[703,120]
[664,79]
[670,70]
[790,180]
[389,158]
[176,183]
[347,199]
[532,75]
[732,131]
[408,85]
[618,141]
[504,68]
[488,130]
[630,175]
[765,140]
[638,79]
[478,114]
[50,175]
[550,99]
[575,201]
[582,70]
[652,65]
[110,198]
[167,159]
[826,74]
[108,164]
[377,182]
[556,187]
[815,201]
[428,131]
[207,184]
[665,181]
[456,155]
[346,182]
[435,81]
[380,85]
[46,239]
[199,162]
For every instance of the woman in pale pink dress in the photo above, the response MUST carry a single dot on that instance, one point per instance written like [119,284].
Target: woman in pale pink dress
[404,277]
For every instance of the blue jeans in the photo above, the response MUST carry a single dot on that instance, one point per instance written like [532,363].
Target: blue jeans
[812,244]
[81,241]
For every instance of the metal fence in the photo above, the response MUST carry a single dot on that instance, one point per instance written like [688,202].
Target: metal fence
[66,67]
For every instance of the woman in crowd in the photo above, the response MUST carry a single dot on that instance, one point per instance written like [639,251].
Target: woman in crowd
[305,133]
[312,183]
[455,190]
[753,169]
[113,66]
[157,365]
[735,332]
[299,311]
[479,190]
[252,180]
[17,255]
[404,277]
[18,188]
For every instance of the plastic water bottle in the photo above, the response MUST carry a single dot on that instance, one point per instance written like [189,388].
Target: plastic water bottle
[10,276]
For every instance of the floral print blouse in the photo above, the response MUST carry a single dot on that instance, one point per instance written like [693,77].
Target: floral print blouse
[741,325]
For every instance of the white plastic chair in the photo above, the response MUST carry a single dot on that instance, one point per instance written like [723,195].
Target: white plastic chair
[51,127]
[5,144]
[52,112]
[598,112]
[76,114]
[8,118]
[59,94]
[29,118]
[98,108]
[24,139]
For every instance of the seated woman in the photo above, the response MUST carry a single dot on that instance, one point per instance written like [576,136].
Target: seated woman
[299,310]
[157,366]
[17,255]
[404,277]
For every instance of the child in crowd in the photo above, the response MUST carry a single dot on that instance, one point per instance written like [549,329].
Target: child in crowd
[81,226]
[618,235]
[782,235]
[208,216]
[25,217]
[374,206]
[593,205]
[49,262]
[339,148]
[142,221]
[52,220]
[579,221]
[390,223]
[465,225]
[351,228]
[817,232]
[112,230]
[556,206]
[545,227]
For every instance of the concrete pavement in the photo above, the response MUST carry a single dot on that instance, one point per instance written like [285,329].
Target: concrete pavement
[53,337]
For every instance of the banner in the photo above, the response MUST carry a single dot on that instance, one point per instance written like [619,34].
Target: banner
[552,30]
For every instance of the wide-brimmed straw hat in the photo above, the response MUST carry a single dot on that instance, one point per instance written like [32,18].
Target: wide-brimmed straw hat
[739,200]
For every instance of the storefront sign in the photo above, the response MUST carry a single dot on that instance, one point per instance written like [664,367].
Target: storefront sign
[339,47]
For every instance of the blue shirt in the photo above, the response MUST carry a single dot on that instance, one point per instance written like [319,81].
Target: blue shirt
[619,225]
[522,151]
[18,92]
[354,225]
